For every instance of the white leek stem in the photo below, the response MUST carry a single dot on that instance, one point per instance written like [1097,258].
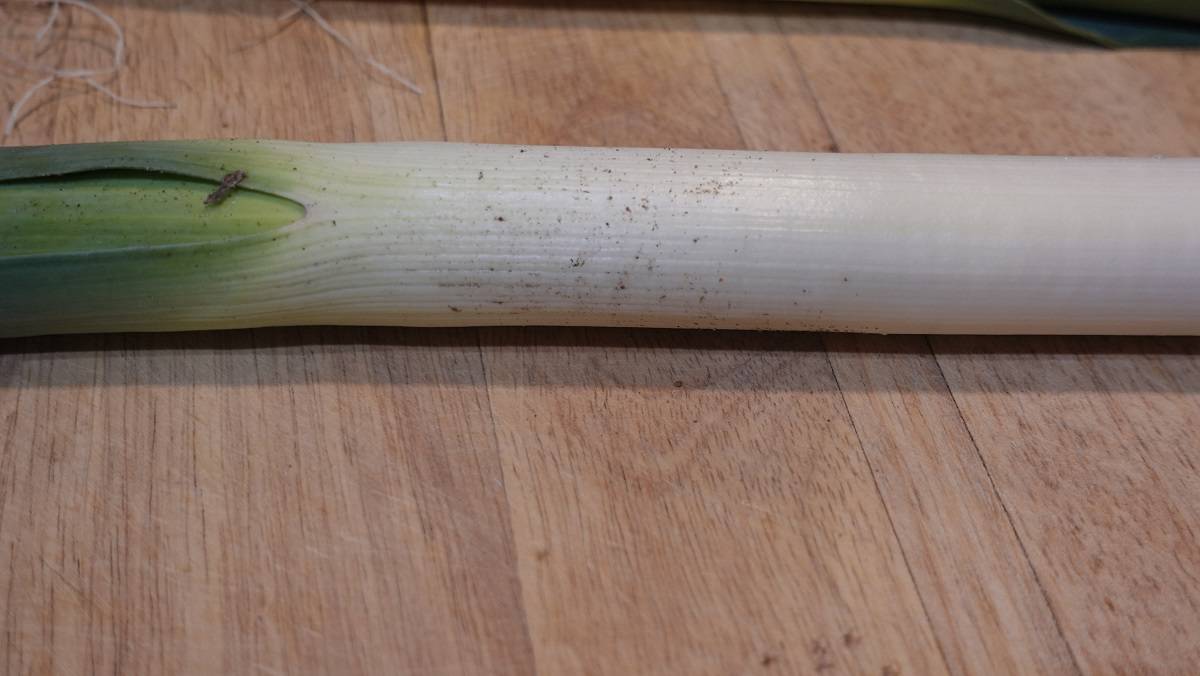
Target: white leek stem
[444,234]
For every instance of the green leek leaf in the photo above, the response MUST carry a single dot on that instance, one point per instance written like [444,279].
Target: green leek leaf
[1113,23]
[89,212]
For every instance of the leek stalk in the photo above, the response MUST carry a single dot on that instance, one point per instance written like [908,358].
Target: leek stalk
[117,237]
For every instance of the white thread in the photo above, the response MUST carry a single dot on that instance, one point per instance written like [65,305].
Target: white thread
[125,100]
[305,7]
[45,29]
[84,75]
[290,14]
[281,24]
[15,112]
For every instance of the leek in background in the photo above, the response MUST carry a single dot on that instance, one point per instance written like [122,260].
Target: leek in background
[1114,23]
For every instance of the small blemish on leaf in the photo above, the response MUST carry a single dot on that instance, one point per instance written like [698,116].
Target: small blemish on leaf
[228,183]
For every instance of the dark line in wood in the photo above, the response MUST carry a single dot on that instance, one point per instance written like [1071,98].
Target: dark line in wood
[1004,506]
[437,79]
[886,510]
[716,76]
[835,145]
[509,535]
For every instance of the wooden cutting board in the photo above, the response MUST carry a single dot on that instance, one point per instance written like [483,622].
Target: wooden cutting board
[372,501]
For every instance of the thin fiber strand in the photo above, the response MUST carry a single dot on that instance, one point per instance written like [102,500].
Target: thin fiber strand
[312,13]
[55,8]
[282,22]
[87,76]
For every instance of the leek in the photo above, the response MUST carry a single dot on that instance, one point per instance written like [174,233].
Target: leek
[117,237]
[1113,23]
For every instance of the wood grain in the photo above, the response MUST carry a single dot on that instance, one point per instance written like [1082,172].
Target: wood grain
[716,501]
[981,593]
[1093,445]
[597,501]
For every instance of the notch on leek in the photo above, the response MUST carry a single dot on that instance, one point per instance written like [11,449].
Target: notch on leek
[116,237]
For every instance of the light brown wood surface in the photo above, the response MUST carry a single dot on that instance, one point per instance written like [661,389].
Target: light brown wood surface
[517,501]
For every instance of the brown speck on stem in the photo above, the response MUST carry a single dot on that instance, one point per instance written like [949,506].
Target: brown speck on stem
[228,183]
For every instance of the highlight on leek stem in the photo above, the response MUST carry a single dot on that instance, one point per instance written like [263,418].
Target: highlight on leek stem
[117,237]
